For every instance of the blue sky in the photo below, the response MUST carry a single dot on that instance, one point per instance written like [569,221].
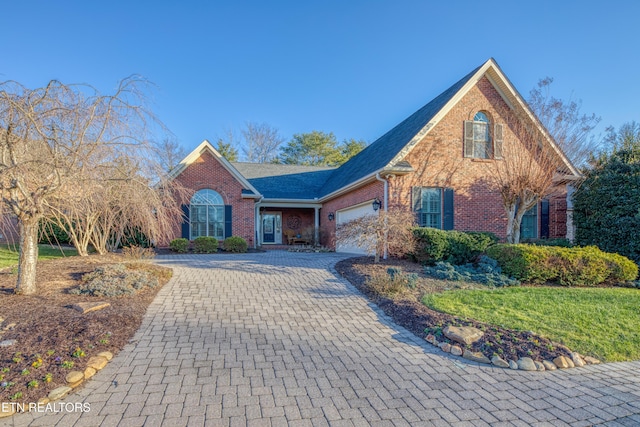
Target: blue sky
[355,68]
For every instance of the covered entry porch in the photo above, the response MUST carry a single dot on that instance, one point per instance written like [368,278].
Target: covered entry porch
[283,224]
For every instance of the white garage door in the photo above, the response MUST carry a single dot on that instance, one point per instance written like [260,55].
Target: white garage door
[348,214]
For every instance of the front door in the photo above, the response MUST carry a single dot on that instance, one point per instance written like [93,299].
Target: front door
[272,228]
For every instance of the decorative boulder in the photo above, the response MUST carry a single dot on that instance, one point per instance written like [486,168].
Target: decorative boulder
[463,334]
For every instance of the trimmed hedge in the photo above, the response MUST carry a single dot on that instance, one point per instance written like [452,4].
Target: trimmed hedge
[454,247]
[235,244]
[587,266]
[205,245]
[180,245]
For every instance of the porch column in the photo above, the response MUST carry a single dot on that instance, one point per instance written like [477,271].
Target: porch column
[316,228]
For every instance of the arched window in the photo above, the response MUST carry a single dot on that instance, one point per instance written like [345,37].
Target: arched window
[207,214]
[478,139]
[481,138]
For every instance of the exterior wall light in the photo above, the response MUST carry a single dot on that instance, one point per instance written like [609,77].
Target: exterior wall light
[376,204]
[331,216]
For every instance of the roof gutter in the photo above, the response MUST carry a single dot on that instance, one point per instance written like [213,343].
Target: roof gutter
[386,210]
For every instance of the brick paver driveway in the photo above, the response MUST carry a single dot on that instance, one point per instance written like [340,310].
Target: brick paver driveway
[278,339]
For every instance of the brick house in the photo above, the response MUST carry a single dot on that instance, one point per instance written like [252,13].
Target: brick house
[435,162]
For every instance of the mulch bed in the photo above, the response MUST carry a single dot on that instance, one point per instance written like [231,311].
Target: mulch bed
[408,312]
[48,331]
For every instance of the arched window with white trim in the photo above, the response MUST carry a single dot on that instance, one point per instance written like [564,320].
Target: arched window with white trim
[207,215]
[480,141]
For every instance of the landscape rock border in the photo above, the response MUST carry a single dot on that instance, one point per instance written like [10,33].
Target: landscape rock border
[523,363]
[73,379]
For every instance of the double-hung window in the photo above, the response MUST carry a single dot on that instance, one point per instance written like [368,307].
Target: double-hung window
[433,207]
[480,140]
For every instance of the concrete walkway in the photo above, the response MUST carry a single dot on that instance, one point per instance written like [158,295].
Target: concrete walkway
[277,338]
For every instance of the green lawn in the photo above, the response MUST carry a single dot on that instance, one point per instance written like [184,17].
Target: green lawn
[599,322]
[9,254]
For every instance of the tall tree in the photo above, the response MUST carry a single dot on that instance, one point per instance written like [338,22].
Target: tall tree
[526,172]
[318,148]
[350,148]
[227,150]
[49,136]
[607,203]
[261,142]
[169,153]
[571,129]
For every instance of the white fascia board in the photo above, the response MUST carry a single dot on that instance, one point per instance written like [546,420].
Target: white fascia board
[364,180]
[199,150]
[509,97]
[289,203]
[515,95]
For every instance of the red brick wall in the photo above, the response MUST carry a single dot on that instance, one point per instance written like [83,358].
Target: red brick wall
[439,162]
[558,216]
[360,195]
[208,172]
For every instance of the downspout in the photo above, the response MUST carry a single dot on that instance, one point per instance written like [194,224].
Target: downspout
[385,202]
[256,222]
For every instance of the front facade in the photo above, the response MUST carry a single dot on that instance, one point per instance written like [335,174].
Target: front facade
[436,163]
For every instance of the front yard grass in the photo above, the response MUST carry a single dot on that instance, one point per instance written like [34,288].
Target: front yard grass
[600,322]
[9,254]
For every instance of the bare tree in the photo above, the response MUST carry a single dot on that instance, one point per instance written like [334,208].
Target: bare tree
[261,142]
[571,129]
[48,138]
[388,231]
[169,153]
[526,173]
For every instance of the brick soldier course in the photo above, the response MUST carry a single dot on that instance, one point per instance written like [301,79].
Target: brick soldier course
[277,338]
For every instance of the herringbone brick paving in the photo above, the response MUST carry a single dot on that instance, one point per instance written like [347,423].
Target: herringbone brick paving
[277,338]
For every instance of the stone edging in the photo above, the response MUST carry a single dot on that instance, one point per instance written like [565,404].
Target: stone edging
[524,363]
[73,379]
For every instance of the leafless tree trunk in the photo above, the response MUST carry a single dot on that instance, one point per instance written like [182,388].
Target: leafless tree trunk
[526,173]
[49,138]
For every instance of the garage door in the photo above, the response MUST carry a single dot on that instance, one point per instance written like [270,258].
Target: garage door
[346,215]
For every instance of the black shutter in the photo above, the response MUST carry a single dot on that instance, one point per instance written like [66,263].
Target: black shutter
[228,231]
[416,202]
[447,222]
[468,138]
[185,221]
[497,141]
[544,219]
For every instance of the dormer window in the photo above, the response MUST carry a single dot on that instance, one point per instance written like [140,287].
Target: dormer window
[478,141]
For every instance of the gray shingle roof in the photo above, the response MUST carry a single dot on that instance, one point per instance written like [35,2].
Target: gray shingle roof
[275,181]
[378,155]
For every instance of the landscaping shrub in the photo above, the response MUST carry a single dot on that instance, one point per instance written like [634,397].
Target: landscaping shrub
[565,243]
[487,272]
[135,237]
[410,280]
[52,233]
[205,245]
[587,266]
[455,247]
[114,280]
[394,282]
[180,245]
[235,244]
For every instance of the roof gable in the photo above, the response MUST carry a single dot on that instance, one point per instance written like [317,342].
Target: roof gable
[204,147]
[389,151]
[383,152]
